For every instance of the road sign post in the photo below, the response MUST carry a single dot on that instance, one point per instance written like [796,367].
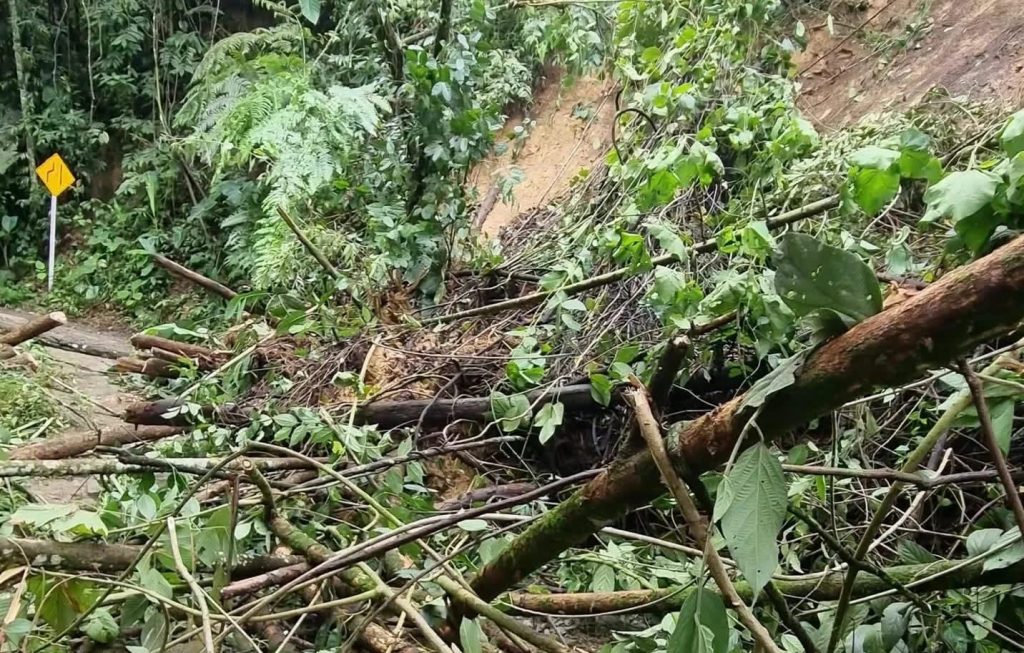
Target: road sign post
[57,178]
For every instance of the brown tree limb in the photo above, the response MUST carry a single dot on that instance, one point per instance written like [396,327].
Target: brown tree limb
[825,587]
[152,367]
[651,433]
[998,459]
[206,358]
[965,308]
[34,328]
[204,282]
[76,443]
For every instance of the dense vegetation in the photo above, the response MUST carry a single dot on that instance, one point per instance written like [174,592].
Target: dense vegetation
[799,313]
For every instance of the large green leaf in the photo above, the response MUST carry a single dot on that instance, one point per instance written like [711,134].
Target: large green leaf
[960,195]
[812,276]
[59,601]
[752,508]
[702,627]
[873,189]
[471,636]
[310,10]
[878,158]
[1012,138]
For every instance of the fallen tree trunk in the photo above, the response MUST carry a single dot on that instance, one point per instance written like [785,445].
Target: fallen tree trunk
[965,308]
[78,442]
[67,337]
[386,414]
[182,272]
[34,328]
[941,575]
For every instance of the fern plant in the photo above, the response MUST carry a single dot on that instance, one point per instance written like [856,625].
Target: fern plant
[265,115]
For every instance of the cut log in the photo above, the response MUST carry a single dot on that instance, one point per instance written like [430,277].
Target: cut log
[134,465]
[67,337]
[486,206]
[152,367]
[964,309]
[205,357]
[33,328]
[182,272]
[385,414]
[79,442]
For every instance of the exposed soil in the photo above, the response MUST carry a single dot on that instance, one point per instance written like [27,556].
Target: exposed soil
[968,49]
[571,130]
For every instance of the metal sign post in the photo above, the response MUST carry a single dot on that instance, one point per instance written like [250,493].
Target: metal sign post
[57,178]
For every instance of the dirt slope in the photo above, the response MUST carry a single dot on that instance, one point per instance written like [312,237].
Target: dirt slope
[571,131]
[968,48]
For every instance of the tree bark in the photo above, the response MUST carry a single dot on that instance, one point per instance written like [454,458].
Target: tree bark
[152,367]
[206,358]
[813,588]
[182,272]
[79,442]
[965,308]
[33,328]
[105,557]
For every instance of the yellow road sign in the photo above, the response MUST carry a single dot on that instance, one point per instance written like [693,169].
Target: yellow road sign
[56,175]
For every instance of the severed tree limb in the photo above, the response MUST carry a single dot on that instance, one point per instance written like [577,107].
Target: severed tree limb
[985,417]
[151,367]
[75,443]
[675,352]
[965,308]
[182,272]
[206,358]
[66,337]
[131,465]
[93,556]
[197,592]
[651,434]
[34,328]
[533,299]
[816,587]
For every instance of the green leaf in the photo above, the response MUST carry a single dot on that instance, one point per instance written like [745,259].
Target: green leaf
[154,581]
[154,631]
[982,540]
[601,389]
[510,411]
[81,523]
[895,620]
[960,195]
[471,636]
[877,158]
[778,379]
[549,418]
[916,164]
[1009,555]
[1012,137]
[669,239]
[915,139]
[40,514]
[873,189]
[702,626]
[812,275]
[59,601]
[310,10]
[101,627]
[603,580]
[1001,413]
[756,511]
[473,525]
